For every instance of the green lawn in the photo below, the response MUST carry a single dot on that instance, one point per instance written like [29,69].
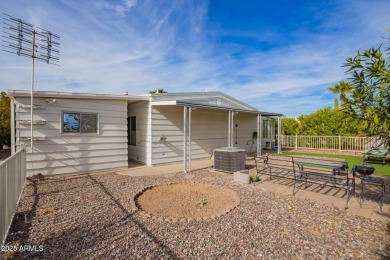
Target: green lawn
[383,170]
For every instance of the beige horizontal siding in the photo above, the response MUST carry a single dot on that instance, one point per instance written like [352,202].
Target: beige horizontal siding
[53,117]
[59,140]
[47,162]
[57,133]
[209,130]
[79,155]
[63,153]
[75,104]
[57,126]
[44,147]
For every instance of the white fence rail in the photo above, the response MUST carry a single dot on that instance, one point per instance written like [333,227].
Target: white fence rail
[12,178]
[337,143]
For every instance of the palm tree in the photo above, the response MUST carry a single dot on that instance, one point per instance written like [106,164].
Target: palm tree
[342,88]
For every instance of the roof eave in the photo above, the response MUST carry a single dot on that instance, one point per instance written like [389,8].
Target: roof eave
[54,94]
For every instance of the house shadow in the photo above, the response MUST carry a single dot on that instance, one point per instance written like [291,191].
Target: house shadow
[87,234]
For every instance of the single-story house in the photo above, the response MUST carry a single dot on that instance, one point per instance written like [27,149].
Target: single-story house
[79,132]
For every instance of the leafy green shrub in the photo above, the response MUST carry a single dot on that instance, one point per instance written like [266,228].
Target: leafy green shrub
[254,177]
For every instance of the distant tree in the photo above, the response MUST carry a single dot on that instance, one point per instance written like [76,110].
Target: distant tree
[327,122]
[290,126]
[368,96]
[5,120]
[158,90]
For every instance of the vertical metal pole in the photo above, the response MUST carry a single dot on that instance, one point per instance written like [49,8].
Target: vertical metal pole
[279,132]
[232,130]
[13,126]
[296,142]
[32,90]
[185,139]
[229,129]
[258,134]
[189,139]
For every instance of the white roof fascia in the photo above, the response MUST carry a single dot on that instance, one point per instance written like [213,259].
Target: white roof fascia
[269,114]
[164,103]
[54,94]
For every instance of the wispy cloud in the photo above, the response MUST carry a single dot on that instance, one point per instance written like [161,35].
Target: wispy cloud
[135,46]
[121,8]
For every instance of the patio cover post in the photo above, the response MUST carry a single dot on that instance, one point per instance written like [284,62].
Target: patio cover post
[232,129]
[279,132]
[189,138]
[260,139]
[185,139]
[258,135]
[229,127]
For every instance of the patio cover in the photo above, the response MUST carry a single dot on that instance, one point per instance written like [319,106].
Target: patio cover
[211,100]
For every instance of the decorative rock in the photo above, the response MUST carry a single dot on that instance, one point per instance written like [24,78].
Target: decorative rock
[267,220]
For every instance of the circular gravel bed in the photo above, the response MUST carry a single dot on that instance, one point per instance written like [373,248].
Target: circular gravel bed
[188,200]
[91,217]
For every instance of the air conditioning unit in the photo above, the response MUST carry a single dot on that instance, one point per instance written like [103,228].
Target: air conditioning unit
[229,159]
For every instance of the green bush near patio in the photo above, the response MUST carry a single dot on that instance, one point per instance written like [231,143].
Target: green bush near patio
[382,170]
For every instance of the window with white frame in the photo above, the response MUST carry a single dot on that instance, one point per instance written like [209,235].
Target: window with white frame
[269,128]
[73,122]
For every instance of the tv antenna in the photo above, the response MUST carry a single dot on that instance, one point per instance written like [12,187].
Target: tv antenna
[25,39]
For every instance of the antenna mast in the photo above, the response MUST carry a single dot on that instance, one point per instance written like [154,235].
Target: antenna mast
[25,39]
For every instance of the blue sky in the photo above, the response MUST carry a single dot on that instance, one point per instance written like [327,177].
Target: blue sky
[278,56]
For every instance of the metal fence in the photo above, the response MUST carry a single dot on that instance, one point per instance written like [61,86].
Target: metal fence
[338,143]
[12,178]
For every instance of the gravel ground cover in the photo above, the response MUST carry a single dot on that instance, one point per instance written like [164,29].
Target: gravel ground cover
[90,217]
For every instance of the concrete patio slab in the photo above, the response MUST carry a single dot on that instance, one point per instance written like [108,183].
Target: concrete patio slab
[369,208]
[136,169]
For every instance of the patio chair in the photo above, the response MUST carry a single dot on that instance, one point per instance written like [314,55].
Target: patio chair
[376,156]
